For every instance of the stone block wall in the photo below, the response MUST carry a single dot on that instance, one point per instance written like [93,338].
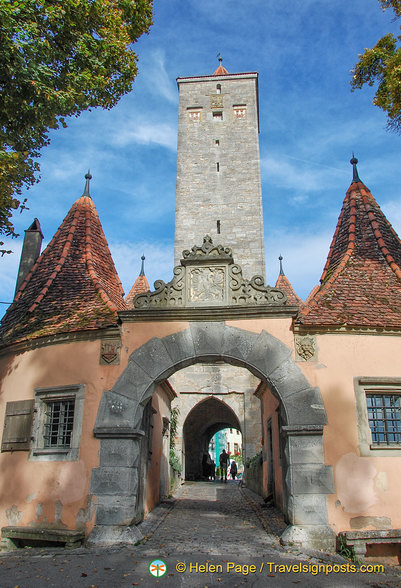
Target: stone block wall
[218,169]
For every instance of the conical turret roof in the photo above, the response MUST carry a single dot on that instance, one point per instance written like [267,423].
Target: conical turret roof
[283,283]
[73,285]
[140,286]
[361,281]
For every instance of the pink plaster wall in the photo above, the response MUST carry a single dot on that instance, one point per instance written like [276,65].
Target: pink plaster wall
[161,404]
[269,406]
[35,492]
[364,486]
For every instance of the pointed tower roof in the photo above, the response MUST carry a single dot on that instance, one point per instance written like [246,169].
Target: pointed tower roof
[284,284]
[220,71]
[140,286]
[361,281]
[73,286]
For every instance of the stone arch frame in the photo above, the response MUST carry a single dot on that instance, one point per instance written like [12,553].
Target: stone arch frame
[216,426]
[308,479]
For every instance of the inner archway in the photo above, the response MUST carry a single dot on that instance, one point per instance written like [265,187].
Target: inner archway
[204,420]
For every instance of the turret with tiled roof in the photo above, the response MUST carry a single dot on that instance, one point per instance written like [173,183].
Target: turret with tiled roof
[140,286]
[283,283]
[220,71]
[361,281]
[73,286]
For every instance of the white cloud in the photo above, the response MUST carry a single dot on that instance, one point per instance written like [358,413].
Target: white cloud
[162,134]
[157,76]
[296,174]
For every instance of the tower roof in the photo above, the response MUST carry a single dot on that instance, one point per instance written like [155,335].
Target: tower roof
[220,71]
[73,285]
[140,286]
[284,284]
[361,281]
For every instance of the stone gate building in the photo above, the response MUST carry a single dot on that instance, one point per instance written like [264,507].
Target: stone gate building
[88,378]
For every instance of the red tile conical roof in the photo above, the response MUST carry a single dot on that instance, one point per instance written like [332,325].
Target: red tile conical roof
[283,283]
[73,285]
[140,286]
[361,281]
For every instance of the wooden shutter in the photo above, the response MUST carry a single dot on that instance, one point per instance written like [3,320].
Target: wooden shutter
[17,426]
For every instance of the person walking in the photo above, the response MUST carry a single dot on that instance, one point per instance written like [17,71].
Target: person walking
[233,469]
[224,461]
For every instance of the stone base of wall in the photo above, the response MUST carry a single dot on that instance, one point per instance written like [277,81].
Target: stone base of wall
[253,479]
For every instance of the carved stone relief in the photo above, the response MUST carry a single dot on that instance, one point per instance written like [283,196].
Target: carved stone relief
[110,352]
[208,276]
[305,347]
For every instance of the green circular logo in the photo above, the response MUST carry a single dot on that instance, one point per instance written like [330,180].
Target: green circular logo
[157,568]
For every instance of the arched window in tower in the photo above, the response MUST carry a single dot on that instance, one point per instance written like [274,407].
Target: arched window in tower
[218,89]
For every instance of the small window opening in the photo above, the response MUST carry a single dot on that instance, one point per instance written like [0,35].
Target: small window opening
[218,89]
[217,142]
[217,116]
[218,227]
[217,166]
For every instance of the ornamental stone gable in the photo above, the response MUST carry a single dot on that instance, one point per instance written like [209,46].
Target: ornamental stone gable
[208,276]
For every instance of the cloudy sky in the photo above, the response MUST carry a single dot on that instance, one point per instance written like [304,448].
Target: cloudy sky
[310,124]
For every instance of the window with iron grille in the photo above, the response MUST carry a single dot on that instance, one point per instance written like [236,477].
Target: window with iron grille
[59,423]
[384,416]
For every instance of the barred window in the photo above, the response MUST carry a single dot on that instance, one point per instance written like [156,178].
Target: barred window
[59,423]
[384,415]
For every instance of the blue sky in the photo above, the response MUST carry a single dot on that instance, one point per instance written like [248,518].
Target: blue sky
[310,124]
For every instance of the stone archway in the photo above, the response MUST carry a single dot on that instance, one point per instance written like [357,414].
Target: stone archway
[203,421]
[308,479]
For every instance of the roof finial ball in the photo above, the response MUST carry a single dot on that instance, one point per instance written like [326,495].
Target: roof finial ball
[281,265]
[220,58]
[142,272]
[353,161]
[88,177]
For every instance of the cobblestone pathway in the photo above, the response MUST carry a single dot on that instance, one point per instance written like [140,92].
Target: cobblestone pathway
[210,536]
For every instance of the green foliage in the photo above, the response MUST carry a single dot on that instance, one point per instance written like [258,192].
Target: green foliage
[175,461]
[345,551]
[58,58]
[255,461]
[382,65]
[173,425]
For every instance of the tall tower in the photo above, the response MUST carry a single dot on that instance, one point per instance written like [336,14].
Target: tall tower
[218,168]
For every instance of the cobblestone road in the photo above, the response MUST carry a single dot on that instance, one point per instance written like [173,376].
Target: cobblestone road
[210,524]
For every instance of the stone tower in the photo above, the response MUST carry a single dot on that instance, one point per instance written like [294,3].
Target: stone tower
[218,169]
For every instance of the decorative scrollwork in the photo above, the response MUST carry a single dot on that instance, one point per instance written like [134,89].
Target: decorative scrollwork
[208,276]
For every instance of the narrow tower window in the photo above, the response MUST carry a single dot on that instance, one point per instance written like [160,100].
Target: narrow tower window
[217,142]
[217,166]
[218,89]
[218,227]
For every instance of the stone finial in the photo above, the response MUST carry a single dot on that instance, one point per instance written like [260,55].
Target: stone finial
[353,161]
[88,177]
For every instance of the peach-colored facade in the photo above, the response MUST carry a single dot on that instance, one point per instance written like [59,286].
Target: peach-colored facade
[57,493]
[37,492]
[366,487]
